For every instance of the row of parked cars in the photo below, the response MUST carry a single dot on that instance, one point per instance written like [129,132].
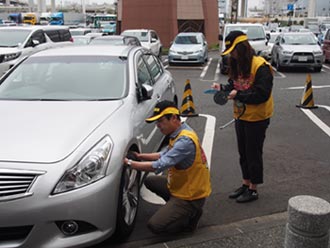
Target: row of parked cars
[72,113]
[187,47]
[284,49]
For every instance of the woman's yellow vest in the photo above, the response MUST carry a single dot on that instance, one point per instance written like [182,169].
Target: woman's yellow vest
[255,112]
[194,182]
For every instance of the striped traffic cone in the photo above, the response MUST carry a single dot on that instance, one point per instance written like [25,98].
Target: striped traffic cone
[187,106]
[307,100]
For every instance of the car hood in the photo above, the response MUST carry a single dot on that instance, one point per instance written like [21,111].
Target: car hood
[8,50]
[186,48]
[46,132]
[302,48]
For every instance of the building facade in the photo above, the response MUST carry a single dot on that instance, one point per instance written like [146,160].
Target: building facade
[170,17]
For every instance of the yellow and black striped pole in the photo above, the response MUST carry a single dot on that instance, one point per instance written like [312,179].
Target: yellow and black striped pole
[187,106]
[307,100]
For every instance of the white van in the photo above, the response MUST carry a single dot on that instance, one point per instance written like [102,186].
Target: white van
[256,36]
[18,42]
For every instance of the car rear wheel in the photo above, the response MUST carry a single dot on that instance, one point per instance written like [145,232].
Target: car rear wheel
[318,69]
[128,202]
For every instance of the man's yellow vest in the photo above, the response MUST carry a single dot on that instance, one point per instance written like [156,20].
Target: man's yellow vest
[255,112]
[194,182]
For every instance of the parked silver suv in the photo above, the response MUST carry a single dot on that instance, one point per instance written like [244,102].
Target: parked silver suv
[20,41]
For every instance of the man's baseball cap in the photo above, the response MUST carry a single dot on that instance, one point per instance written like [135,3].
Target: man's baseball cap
[163,108]
[232,39]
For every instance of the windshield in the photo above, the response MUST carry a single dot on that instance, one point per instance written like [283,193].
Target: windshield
[253,32]
[13,38]
[66,78]
[142,36]
[303,39]
[188,40]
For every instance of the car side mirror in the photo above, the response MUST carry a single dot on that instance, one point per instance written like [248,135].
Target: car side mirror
[153,40]
[268,37]
[144,92]
[35,43]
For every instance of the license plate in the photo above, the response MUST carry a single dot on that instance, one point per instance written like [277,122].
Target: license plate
[184,57]
[302,58]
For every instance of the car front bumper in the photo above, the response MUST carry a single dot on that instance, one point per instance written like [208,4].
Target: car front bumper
[189,58]
[39,216]
[301,60]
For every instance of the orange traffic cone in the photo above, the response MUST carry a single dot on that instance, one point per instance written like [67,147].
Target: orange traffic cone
[187,106]
[307,100]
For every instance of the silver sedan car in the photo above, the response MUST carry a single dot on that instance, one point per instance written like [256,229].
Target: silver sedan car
[71,115]
[295,49]
[190,47]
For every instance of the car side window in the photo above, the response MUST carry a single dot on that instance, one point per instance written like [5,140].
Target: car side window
[154,67]
[143,74]
[39,36]
[154,35]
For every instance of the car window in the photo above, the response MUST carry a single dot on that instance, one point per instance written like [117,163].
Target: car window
[59,35]
[39,36]
[141,35]
[13,38]
[154,35]
[253,32]
[154,67]
[299,40]
[185,40]
[143,74]
[88,78]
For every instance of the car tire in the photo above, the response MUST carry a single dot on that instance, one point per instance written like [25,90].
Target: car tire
[318,69]
[128,202]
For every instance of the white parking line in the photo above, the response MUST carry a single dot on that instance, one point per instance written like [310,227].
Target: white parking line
[325,66]
[207,145]
[279,73]
[205,68]
[316,120]
[302,87]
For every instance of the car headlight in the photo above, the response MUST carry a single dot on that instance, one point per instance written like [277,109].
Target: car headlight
[11,56]
[286,52]
[89,169]
[318,53]
[172,51]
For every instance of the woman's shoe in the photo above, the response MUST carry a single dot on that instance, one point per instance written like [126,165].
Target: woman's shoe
[247,196]
[238,191]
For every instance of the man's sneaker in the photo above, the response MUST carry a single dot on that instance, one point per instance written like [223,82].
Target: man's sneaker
[247,196]
[238,191]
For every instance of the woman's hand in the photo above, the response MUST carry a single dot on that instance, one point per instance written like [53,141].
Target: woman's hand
[216,86]
[232,94]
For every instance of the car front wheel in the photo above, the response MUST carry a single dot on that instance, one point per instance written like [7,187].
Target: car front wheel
[128,202]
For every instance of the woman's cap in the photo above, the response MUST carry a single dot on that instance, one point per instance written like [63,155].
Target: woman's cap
[232,39]
[163,108]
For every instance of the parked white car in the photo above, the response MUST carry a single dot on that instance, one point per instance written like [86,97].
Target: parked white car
[190,47]
[148,38]
[71,116]
[20,41]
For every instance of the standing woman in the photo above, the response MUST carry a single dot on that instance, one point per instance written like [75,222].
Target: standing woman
[250,87]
